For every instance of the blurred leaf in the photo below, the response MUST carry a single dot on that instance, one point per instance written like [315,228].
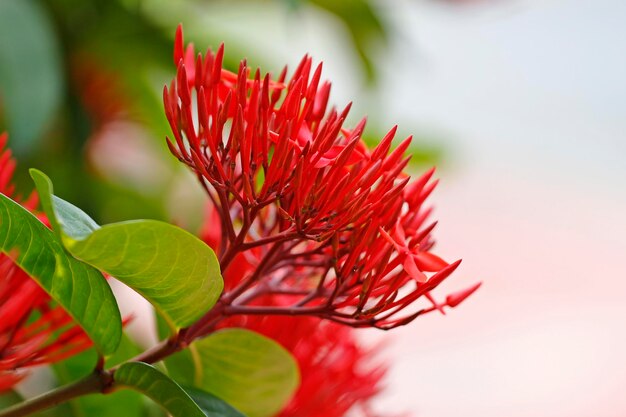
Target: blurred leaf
[174,270]
[116,203]
[117,404]
[127,349]
[249,371]
[76,367]
[293,4]
[31,83]
[9,398]
[80,289]
[116,38]
[168,394]
[364,24]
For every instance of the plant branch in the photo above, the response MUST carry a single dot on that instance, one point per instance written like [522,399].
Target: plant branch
[94,383]
[281,311]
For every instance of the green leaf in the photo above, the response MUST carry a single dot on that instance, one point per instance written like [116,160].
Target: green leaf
[249,371]
[174,270]
[80,289]
[212,405]
[168,394]
[31,83]
[9,398]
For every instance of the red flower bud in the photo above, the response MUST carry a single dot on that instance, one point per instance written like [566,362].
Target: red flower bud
[457,298]
[303,207]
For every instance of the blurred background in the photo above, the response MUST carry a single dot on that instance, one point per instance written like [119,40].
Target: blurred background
[520,103]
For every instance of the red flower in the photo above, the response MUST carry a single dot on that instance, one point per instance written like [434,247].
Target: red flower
[302,206]
[32,330]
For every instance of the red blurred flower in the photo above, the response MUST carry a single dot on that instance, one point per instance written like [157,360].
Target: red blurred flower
[32,330]
[300,205]
[99,90]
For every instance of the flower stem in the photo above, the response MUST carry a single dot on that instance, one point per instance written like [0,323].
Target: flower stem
[94,383]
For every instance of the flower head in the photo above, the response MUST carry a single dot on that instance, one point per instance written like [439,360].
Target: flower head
[299,204]
[32,330]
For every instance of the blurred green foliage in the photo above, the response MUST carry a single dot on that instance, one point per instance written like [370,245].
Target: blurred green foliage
[31,82]
[9,398]
[366,27]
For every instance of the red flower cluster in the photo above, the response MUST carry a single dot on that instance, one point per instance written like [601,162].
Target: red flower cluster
[32,330]
[302,206]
